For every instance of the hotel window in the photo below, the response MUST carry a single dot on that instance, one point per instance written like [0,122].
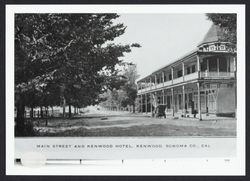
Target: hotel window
[212,64]
[179,73]
[204,65]
[170,76]
[223,64]
[193,68]
[222,47]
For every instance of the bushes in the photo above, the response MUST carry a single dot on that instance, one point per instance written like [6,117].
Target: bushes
[26,130]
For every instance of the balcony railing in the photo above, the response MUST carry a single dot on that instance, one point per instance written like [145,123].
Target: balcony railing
[178,80]
[217,75]
[192,76]
[188,77]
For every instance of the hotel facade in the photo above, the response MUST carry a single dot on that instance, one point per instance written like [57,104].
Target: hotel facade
[202,82]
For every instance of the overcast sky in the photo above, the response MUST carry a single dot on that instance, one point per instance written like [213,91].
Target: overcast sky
[163,37]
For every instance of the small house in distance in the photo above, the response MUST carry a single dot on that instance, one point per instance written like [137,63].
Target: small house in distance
[201,82]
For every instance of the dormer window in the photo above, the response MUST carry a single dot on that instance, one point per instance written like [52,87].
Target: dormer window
[222,47]
[212,48]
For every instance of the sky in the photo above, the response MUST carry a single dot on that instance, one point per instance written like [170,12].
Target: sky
[163,37]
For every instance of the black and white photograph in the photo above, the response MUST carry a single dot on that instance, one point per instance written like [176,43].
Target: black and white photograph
[124,75]
[123,82]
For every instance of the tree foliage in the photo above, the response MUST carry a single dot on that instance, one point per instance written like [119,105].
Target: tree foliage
[127,92]
[228,23]
[65,55]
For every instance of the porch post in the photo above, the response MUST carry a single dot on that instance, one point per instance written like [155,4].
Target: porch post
[198,65]
[151,103]
[172,91]
[199,101]
[207,65]
[155,80]
[141,103]
[183,70]
[172,74]
[218,66]
[206,101]
[146,104]
[163,97]
[183,101]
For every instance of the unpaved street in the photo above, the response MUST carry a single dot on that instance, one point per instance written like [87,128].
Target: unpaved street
[129,124]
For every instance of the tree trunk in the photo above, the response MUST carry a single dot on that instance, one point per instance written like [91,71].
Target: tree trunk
[41,111]
[64,105]
[69,111]
[52,111]
[46,114]
[133,108]
[20,117]
[31,112]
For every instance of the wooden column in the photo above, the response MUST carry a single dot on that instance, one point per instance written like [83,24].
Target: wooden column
[183,101]
[172,91]
[198,65]
[208,65]
[172,74]
[146,104]
[163,97]
[155,80]
[218,66]
[183,70]
[141,104]
[199,101]
[206,101]
[151,103]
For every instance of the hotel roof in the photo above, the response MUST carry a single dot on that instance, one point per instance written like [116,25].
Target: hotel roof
[214,34]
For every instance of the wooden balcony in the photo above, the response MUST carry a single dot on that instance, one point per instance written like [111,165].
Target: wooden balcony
[217,75]
[189,77]
[192,76]
[178,80]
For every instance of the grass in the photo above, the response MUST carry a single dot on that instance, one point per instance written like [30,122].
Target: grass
[149,130]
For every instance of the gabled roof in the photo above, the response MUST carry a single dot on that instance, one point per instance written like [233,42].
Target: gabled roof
[214,34]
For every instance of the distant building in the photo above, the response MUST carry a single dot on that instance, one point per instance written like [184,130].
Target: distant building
[203,81]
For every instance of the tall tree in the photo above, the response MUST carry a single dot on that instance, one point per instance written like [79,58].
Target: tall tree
[65,53]
[130,87]
[125,92]
[228,23]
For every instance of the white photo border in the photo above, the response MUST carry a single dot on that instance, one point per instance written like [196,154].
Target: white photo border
[215,166]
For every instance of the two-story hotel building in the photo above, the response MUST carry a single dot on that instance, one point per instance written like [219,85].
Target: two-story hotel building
[204,80]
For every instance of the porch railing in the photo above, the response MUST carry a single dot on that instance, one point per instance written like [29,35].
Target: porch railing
[217,74]
[191,76]
[188,77]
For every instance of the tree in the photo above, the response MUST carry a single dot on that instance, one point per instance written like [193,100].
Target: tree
[130,87]
[125,91]
[228,23]
[64,56]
